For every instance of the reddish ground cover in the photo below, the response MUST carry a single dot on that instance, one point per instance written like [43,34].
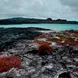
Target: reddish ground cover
[45,49]
[69,42]
[7,63]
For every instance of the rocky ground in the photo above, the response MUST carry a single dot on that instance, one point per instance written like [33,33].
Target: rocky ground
[62,63]
[10,35]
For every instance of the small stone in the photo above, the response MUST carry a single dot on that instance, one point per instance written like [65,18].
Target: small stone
[50,66]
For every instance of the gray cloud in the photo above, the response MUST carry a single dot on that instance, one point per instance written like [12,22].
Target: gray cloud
[73,4]
[21,7]
[39,8]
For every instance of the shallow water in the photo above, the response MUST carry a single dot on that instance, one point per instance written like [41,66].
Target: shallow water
[57,27]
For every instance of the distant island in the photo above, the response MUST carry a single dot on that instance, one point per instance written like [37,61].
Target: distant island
[20,20]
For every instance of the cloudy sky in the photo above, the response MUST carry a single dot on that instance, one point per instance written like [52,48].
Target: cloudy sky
[64,9]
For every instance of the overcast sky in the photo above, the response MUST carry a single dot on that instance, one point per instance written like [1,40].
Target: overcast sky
[64,9]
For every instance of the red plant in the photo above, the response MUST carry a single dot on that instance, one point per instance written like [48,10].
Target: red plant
[71,43]
[45,49]
[7,63]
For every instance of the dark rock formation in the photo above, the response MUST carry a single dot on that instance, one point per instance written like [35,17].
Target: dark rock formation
[9,35]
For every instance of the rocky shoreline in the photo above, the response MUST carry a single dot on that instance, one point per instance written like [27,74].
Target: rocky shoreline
[9,35]
[25,43]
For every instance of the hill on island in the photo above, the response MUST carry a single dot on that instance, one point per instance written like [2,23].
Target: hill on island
[20,20]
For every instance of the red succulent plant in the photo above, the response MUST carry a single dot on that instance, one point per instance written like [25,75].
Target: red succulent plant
[7,63]
[45,49]
[71,43]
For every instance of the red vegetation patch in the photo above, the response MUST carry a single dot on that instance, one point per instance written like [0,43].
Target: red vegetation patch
[7,63]
[45,49]
[71,43]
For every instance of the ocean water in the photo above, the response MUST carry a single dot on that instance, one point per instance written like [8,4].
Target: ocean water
[57,27]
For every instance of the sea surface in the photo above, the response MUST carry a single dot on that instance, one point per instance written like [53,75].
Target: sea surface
[57,27]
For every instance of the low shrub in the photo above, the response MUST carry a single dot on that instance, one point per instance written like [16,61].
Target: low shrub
[7,63]
[45,49]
